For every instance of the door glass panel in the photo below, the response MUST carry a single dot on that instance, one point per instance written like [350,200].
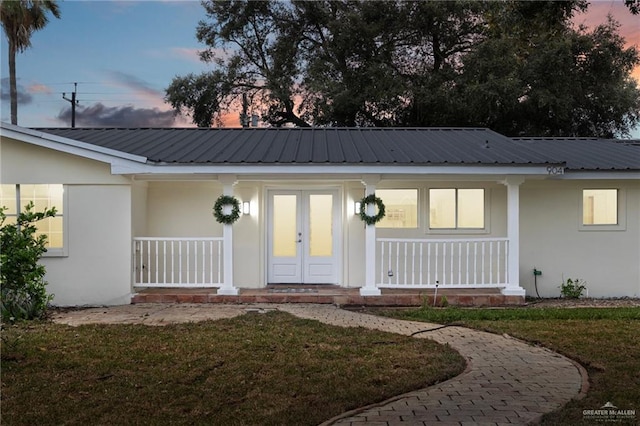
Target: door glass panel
[285,228]
[320,225]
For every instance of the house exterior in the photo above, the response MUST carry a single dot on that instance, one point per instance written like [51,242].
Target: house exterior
[465,208]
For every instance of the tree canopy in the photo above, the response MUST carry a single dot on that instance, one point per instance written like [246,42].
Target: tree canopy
[516,67]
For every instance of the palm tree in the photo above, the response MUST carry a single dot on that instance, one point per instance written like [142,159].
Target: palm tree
[20,19]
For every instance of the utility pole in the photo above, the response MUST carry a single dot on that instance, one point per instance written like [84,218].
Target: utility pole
[74,102]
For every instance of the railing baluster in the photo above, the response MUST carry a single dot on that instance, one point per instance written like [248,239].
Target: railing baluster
[188,260]
[173,268]
[498,262]
[219,261]
[483,261]
[475,262]
[490,261]
[435,275]
[204,262]
[164,262]
[451,280]
[382,260]
[404,276]
[506,262]
[459,262]
[428,263]
[397,263]
[195,262]
[421,277]
[413,263]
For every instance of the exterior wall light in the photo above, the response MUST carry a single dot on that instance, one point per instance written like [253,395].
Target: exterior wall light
[246,207]
[356,208]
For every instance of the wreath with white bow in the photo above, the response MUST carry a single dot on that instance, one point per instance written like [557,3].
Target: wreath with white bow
[371,199]
[221,203]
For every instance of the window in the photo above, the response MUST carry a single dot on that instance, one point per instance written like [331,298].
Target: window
[15,197]
[452,208]
[600,207]
[401,208]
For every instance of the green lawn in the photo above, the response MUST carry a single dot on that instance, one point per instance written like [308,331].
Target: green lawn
[254,369]
[606,341]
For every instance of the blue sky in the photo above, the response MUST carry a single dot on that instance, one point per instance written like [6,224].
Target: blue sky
[123,54]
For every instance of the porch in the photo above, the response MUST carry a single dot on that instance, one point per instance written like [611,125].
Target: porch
[332,294]
[408,272]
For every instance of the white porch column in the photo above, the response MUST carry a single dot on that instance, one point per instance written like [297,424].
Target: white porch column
[513,233]
[370,288]
[227,245]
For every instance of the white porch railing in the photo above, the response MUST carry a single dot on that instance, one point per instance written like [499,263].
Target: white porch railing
[178,262]
[450,263]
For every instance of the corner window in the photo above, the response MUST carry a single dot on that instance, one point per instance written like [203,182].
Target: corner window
[401,207]
[45,196]
[599,207]
[454,208]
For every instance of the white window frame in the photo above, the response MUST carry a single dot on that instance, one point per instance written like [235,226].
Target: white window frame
[472,231]
[51,251]
[621,211]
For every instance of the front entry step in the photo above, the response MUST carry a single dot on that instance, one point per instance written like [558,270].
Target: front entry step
[330,294]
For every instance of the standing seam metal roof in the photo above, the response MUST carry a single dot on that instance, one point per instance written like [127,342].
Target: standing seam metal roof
[417,146]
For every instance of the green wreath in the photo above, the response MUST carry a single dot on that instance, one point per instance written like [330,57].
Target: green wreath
[226,200]
[371,199]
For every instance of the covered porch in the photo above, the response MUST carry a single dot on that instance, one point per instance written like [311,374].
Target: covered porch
[375,263]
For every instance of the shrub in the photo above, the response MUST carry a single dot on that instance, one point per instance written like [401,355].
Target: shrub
[23,292]
[572,289]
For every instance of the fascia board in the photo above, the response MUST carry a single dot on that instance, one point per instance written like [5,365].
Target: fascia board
[69,146]
[600,175]
[314,169]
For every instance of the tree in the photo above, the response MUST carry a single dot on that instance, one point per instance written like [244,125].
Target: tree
[20,19]
[633,5]
[551,80]
[516,67]
[253,46]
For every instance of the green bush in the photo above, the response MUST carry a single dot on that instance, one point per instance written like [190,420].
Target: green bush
[572,289]
[23,293]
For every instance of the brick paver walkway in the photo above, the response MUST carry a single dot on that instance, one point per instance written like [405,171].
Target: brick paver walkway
[506,381]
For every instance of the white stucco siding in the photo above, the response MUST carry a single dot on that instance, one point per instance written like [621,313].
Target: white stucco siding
[139,208]
[552,240]
[97,270]
[249,239]
[182,209]
[354,259]
[30,164]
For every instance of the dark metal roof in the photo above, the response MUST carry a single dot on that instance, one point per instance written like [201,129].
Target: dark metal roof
[588,153]
[417,146]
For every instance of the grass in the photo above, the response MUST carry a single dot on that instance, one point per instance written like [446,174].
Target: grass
[606,341]
[254,369]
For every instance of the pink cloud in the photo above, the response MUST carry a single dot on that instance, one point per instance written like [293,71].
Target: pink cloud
[189,53]
[39,88]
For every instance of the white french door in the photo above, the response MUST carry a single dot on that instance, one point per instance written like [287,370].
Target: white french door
[303,236]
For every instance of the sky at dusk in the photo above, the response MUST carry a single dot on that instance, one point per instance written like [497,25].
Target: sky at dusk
[124,54]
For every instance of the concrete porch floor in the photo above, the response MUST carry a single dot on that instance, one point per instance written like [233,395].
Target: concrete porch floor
[329,294]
